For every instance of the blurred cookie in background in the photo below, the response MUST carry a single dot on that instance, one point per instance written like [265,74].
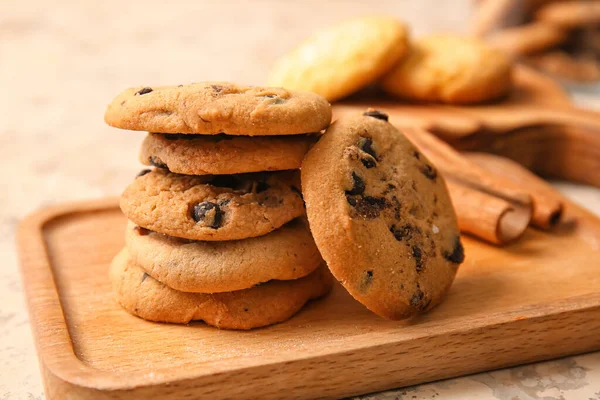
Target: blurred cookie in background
[450,69]
[344,58]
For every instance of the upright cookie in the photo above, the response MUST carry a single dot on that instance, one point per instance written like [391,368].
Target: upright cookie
[263,305]
[570,14]
[225,207]
[381,216]
[210,267]
[223,154]
[450,69]
[211,108]
[343,59]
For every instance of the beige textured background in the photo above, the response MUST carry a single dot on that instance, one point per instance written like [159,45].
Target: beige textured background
[62,61]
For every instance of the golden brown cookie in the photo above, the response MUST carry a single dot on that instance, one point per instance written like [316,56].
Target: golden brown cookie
[210,267]
[210,108]
[263,305]
[224,154]
[527,39]
[344,58]
[450,69]
[222,207]
[381,216]
[570,14]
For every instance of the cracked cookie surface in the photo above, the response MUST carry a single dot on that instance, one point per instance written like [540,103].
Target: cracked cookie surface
[210,267]
[211,108]
[224,154]
[262,305]
[213,207]
[381,216]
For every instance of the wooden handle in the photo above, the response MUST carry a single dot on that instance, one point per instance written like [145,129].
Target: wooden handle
[487,205]
[568,153]
[547,203]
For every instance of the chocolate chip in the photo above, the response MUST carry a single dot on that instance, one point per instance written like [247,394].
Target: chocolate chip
[555,217]
[405,232]
[245,309]
[141,231]
[417,297]
[217,88]
[367,206]
[417,155]
[208,212]
[419,300]
[368,162]
[143,91]
[458,252]
[144,276]
[366,145]
[143,172]
[429,172]
[376,114]
[358,185]
[367,278]
[418,255]
[157,162]
[179,85]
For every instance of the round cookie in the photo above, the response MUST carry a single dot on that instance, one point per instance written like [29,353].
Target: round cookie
[450,69]
[224,207]
[381,216]
[570,14]
[222,154]
[211,108]
[211,267]
[263,305]
[343,59]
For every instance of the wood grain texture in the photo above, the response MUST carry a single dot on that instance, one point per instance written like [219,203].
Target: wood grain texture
[534,300]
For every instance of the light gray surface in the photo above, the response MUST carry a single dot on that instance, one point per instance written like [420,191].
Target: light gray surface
[61,62]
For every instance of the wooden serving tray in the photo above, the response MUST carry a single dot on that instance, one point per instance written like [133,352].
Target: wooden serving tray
[534,300]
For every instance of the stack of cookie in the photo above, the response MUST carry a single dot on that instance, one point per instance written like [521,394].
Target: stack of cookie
[217,228]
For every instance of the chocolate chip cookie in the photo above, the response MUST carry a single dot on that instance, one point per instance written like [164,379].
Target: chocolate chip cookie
[220,207]
[381,216]
[266,304]
[210,108]
[450,69]
[210,267]
[224,154]
[344,58]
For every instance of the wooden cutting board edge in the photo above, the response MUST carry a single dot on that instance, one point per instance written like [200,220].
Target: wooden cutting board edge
[356,369]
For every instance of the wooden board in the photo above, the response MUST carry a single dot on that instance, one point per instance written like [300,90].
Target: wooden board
[534,300]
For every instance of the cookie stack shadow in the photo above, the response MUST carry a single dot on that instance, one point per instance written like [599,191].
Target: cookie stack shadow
[217,229]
